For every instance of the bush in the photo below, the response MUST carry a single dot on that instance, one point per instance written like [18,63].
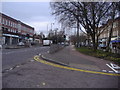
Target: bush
[100,54]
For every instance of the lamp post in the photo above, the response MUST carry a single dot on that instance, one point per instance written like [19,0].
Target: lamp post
[51,25]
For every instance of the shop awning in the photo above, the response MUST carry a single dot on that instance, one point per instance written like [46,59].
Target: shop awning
[115,41]
[10,35]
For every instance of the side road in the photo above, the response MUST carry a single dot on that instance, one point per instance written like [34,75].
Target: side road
[69,56]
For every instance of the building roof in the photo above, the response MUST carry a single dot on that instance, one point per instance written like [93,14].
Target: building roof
[3,15]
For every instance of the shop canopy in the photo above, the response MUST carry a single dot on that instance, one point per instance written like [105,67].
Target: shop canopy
[11,35]
[115,41]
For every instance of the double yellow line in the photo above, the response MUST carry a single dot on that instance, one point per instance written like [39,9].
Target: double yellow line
[70,68]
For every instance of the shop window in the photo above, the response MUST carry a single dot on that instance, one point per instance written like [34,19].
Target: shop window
[3,21]
[9,30]
[0,20]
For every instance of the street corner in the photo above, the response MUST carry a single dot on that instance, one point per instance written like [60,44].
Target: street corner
[37,58]
[45,57]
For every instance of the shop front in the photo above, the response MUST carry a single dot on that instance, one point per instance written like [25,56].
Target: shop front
[10,39]
[115,46]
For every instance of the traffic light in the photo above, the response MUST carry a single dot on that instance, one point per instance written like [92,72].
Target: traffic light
[64,37]
[28,36]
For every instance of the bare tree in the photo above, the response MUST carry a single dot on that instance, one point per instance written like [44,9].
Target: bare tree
[90,15]
[114,11]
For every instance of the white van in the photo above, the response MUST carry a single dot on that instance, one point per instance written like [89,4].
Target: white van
[46,42]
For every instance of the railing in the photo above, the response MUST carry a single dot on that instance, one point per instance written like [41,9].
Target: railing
[55,47]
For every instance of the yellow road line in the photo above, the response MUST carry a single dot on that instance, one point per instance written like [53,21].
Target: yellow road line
[70,68]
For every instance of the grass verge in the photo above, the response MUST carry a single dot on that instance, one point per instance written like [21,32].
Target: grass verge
[100,54]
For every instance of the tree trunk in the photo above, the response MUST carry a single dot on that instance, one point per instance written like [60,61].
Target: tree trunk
[109,39]
[94,43]
[97,41]
[77,33]
[111,29]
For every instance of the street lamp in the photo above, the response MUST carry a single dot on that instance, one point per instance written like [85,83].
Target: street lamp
[51,25]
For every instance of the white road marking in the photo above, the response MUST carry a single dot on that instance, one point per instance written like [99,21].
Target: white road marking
[43,83]
[111,71]
[104,70]
[47,51]
[31,60]
[17,66]
[11,69]
[112,68]
[115,66]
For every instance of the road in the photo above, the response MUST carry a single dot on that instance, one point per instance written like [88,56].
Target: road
[12,57]
[45,75]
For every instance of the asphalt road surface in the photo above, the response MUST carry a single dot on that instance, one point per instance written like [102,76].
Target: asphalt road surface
[38,75]
[43,75]
[11,57]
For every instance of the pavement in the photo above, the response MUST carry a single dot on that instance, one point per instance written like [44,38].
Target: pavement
[72,58]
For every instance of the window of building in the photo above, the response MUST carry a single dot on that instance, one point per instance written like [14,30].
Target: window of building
[114,24]
[15,25]
[108,33]
[0,19]
[6,22]
[3,21]
[9,30]
[114,33]
[11,24]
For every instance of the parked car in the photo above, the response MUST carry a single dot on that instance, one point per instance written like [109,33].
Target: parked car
[66,44]
[21,44]
[0,46]
[102,46]
[46,42]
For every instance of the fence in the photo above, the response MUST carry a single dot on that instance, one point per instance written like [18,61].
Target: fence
[55,47]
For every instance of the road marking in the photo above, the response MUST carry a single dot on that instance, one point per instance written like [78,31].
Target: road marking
[111,71]
[104,70]
[70,68]
[112,68]
[11,69]
[31,60]
[115,66]
[43,84]
[17,66]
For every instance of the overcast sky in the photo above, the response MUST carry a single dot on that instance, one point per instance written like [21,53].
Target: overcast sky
[35,14]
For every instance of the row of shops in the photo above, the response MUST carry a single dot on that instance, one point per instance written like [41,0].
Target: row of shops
[8,39]
[13,31]
[114,44]
[102,44]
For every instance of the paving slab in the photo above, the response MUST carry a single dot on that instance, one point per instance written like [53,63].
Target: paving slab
[69,56]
